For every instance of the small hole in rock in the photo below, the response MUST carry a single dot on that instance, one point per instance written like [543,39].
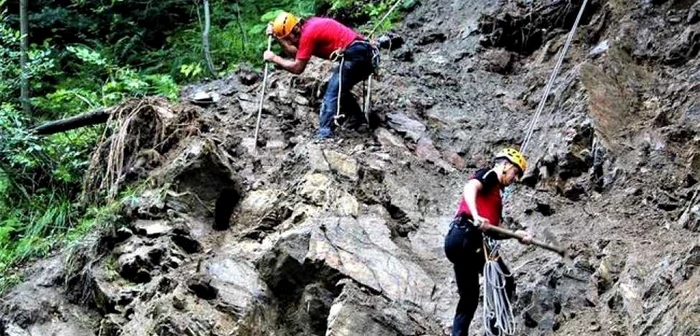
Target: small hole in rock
[557,307]
[225,204]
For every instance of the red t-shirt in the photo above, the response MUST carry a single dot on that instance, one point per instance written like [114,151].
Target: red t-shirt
[488,201]
[322,36]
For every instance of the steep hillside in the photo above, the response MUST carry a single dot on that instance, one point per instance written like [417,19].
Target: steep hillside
[345,237]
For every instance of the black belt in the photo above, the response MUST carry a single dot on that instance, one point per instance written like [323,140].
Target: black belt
[462,221]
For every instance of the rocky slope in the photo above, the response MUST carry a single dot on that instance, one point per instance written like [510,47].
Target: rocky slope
[345,238]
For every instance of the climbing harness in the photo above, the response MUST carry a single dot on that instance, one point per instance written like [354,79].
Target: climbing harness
[262,95]
[339,54]
[497,310]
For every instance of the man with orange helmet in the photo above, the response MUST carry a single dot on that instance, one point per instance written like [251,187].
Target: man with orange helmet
[325,38]
[481,205]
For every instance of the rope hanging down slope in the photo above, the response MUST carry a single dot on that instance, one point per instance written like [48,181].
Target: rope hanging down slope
[497,307]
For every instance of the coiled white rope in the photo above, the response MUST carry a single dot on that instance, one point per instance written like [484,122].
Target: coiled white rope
[496,302]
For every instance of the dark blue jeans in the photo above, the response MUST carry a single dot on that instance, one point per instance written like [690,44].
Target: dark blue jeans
[463,247]
[357,66]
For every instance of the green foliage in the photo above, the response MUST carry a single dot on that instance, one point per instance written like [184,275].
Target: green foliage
[38,180]
[40,177]
[100,83]
[237,34]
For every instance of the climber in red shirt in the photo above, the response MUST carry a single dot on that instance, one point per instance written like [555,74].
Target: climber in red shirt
[327,39]
[480,206]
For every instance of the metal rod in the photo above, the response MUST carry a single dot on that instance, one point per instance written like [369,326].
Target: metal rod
[512,234]
[262,94]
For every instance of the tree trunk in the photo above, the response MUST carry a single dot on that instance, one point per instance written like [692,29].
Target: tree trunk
[205,39]
[244,39]
[24,48]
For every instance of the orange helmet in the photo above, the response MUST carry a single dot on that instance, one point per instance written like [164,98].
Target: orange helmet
[514,156]
[283,24]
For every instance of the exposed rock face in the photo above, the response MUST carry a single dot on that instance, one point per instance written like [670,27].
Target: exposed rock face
[290,237]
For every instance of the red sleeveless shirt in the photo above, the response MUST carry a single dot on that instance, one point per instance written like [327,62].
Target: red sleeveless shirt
[488,200]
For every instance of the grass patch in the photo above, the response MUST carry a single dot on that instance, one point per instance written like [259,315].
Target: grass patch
[36,242]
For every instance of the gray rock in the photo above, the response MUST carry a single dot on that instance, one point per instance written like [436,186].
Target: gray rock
[187,243]
[111,325]
[691,220]
[258,203]
[347,206]
[35,308]
[247,76]
[497,60]
[404,54]
[202,287]
[179,302]
[15,330]
[685,46]
[136,266]
[247,104]
[601,48]
[123,233]
[693,256]
[387,139]
[177,325]
[425,150]
[694,14]
[301,100]
[314,188]
[342,164]
[401,123]
[152,228]
[355,312]
[360,249]
[431,37]
[317,159]
[239,289]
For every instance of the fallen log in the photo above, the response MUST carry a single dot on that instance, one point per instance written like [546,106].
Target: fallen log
[67,124]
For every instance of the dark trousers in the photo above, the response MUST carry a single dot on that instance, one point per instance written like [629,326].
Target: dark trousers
[360,60]
[464,248]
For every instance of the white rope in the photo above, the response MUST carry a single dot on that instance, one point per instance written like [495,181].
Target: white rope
[340,88]
[496,303]
[384,18]
[548,89]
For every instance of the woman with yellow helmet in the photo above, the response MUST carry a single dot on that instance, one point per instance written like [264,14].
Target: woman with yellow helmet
[480,206]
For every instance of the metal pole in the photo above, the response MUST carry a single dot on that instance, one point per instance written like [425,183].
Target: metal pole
[511,234]
[262,94]
[368,100]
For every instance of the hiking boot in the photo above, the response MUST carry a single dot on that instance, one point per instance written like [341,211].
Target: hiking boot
[319,139]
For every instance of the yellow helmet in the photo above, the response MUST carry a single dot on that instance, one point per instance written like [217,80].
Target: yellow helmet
[514,156]
[283,24]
